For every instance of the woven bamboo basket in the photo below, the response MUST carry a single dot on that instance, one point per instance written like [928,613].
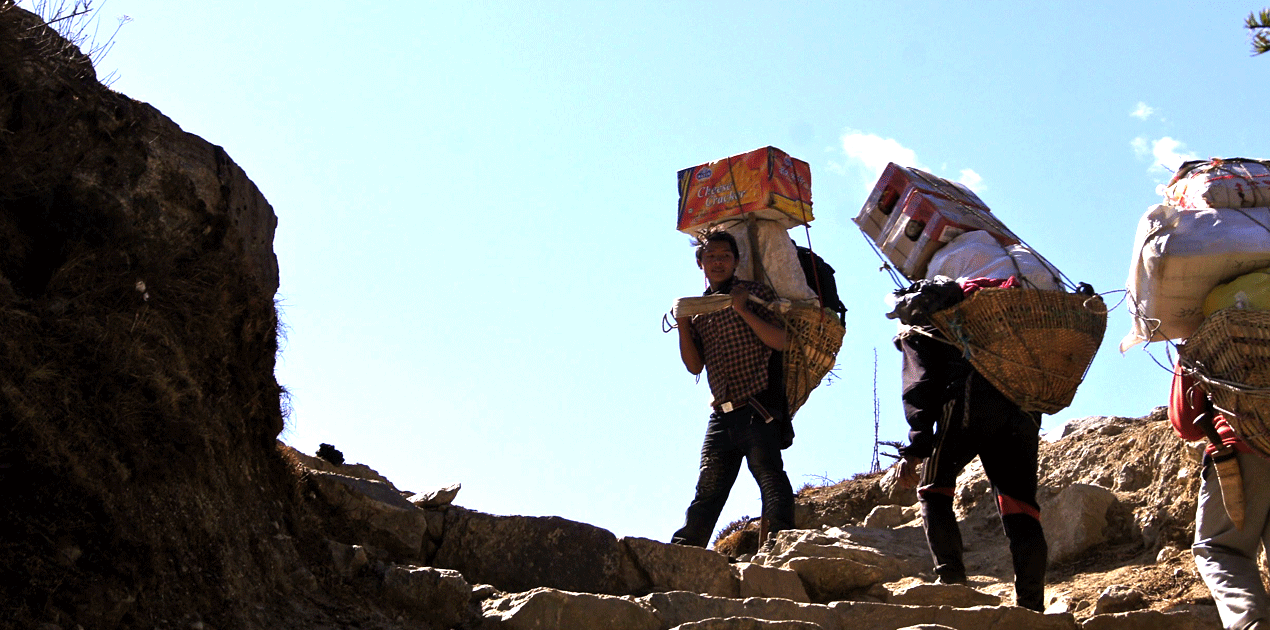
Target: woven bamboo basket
[1034,346]
[1229,354]
[814,336]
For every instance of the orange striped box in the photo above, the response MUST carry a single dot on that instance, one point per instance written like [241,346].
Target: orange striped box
[766,182]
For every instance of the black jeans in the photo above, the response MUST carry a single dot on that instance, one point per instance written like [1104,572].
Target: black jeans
[731,437]
[1006,439]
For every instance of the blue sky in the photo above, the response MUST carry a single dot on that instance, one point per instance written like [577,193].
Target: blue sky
[476,203]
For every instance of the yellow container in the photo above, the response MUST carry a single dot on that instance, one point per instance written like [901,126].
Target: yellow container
[1249,291]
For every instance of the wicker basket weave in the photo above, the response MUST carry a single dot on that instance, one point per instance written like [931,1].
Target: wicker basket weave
[814,337]
[1034,346]
[1229,354]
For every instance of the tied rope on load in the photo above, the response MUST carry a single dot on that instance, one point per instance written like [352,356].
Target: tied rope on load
[1033,344]
[814,339]
[814,330]
[1229,355]
[1213,215]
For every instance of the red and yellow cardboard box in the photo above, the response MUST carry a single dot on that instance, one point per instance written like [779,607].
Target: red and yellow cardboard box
[766,182]
[893,185]
[924,222]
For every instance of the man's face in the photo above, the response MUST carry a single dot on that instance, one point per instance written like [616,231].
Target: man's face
[718,262]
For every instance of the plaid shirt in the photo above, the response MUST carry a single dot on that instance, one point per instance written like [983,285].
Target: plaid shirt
[736,359]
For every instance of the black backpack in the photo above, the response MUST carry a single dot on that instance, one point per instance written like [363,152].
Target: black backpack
[820,278]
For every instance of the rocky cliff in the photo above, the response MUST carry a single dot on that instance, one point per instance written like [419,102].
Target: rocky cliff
[138,408]
[145,487]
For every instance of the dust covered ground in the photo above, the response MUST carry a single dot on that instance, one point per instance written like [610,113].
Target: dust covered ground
[1153,474]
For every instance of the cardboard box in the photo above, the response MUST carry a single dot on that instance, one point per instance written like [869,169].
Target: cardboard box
[923,222]
[766,182]
[893,185]
[876,213]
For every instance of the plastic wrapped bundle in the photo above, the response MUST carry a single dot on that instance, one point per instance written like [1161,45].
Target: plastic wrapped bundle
[1179,256]
[1218,183]
[977,254]
[780,268]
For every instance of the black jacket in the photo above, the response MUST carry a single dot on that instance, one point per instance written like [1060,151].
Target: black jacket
[935,372]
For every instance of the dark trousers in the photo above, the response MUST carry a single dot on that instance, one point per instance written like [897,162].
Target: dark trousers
[730,438]
[985,423]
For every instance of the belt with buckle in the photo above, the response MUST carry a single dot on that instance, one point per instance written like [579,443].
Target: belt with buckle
[729,407]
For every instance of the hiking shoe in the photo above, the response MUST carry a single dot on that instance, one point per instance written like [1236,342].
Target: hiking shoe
[950,579]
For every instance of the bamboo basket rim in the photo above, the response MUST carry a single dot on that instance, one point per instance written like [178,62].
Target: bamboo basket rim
[1035,370]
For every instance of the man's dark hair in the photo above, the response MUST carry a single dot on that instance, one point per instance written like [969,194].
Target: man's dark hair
[714,235]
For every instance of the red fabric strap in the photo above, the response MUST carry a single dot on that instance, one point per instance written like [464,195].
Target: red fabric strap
[1009,505]
[933,490]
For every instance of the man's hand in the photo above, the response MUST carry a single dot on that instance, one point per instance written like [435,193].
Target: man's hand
[910,472]
[771,335]
[739,297]
[688,350]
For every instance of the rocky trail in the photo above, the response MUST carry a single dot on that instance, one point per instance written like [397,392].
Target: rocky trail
[1117,499]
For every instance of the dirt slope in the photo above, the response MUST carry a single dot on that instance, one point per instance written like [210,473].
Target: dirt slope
[1153,474]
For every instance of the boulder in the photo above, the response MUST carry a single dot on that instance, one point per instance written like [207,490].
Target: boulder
[361,471]
[519,553]
[382,517]
[1118,598]
[1076,520]
[760,581]
[1103,425]
[955,595]
[831,579]
[746,623]
[889,486]
[438,497]
[887,516]
[835,563]
[347,560]
[866,615]
[548,609]
[1152,620]
[437,595]
[672,567]
[436,524]
[1134,474]
[677,608]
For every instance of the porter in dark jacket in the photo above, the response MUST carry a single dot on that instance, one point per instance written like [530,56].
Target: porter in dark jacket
[954,414]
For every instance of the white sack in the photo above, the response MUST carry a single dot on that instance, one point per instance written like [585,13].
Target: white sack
[977,254]
[1179,256]
[1230,184]
[779,256]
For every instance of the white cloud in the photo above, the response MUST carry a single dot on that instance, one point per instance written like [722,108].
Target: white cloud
[874,152]
[1140,147]
[1142,111]
[1166,154]
[971,180]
